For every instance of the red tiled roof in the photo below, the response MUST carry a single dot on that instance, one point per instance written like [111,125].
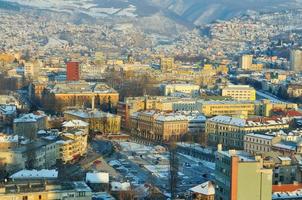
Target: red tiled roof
[286,187]
[293,113]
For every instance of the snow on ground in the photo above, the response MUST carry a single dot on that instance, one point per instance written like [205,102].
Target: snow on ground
[161,171]
[135,147]
[84,6]
[207,164]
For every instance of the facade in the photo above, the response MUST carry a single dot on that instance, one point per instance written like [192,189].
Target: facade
[259,143]
[240,176]
[240,92]
[73,145]
[73,71]
[191,89]
[242,108]
[162,103]
[296,60]
[79,94]
[105,123]
[160,126]
[29,124]
[246,61]
[230,131]
[166,64]
[294,90]
[42,190]
[229,108]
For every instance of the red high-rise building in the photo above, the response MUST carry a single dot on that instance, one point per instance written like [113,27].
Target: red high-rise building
[73,71]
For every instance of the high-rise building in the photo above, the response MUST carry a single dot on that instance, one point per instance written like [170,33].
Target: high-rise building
[296,60]
[246,62]
[73,71]
[241,177]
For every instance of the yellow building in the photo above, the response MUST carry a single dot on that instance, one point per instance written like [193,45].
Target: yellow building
[246,62]
[294,91]
[230,131]
[166,64]
[101,122]
[73,145]
[242,108]
[239,92]
[45,190]
[229,108]
[159,126]
[79,94]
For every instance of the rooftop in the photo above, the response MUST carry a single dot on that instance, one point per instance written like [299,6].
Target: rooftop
[248,122]
[206,188]
[89,113]
[35,174]
[80,88]
[31,117]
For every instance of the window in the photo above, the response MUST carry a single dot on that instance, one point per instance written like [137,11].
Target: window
[81,194]
[40,197]
[24,198]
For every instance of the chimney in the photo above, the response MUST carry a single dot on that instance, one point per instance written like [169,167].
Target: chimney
[93,102]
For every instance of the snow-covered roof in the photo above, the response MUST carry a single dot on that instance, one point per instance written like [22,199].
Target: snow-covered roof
[89,114]
[35,174]
[118,186]
[99,177]
[31,117]
[248,122]
[8,138]
[206,188]
[228,120]
[75,123]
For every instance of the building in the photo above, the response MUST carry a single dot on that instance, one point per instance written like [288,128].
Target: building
[229,108]
[72,145]
[7,114]
[204,191]
[240,176]
[242,108]
[246,62]
[43,174]
[287,191]
[160,126]
[296,60]
[230,131]
[239,92]
[162,103]
[79,94]
[73,71]
[170,89]
[48,190]
[99,122]
[259,143]
[166,64]
[294,90]
[28,125]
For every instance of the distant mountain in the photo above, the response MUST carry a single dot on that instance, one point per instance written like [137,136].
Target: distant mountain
[185,12]
[9,6]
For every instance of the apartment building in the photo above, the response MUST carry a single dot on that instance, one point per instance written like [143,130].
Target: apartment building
[259,143]
[101,122]
[240,176]
[160,126]
[28,125]
[230,131]
[239,92]
[45,190]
